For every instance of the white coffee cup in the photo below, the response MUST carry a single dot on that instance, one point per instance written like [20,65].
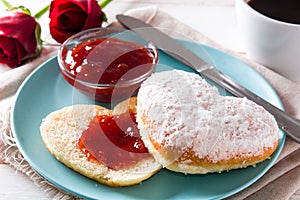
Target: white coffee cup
[272,43]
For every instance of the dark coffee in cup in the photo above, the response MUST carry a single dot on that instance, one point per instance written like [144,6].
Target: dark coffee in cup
[282,10]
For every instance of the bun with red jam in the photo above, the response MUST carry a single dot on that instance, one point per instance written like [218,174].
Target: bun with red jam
[101,144]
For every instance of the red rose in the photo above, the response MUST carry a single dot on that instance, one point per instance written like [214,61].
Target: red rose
[19,37]
[72,16]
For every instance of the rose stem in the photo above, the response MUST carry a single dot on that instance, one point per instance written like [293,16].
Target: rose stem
[41,12]
[104,3]
[6,4]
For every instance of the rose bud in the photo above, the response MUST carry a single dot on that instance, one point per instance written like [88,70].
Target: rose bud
[19,38]
[72,16]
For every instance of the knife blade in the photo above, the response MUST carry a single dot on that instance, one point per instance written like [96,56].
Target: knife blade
[169,45]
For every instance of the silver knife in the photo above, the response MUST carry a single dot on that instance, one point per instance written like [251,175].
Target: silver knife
[286,122]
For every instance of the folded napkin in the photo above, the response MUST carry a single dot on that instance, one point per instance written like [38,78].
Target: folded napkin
[282,181]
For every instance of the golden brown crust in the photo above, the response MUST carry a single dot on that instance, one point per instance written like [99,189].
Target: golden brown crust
[190,163]
[207,166]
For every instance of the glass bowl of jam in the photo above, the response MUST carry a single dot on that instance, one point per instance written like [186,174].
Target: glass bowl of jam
[107,64]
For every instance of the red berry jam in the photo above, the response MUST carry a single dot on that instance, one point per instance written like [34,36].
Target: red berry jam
[107,61]
[113,141]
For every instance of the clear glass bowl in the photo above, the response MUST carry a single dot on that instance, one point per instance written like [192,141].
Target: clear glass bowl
[107,64]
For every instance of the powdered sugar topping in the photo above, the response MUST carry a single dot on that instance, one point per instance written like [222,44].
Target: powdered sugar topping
[180,110]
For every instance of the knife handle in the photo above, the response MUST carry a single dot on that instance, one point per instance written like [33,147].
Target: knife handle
[286,122]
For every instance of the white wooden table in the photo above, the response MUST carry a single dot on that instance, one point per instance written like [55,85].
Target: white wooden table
[215,18]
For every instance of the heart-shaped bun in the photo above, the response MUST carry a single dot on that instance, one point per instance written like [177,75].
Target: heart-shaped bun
[61,130]
[190,128]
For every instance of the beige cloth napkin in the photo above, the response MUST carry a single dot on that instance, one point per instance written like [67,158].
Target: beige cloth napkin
[282,181]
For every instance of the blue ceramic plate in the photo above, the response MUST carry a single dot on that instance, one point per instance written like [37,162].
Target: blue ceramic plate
[45,90]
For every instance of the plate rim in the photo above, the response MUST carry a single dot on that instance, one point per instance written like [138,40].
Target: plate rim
[238,189]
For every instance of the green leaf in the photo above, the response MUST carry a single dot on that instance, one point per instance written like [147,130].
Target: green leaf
[22,9]
[104,17]
[38,39]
